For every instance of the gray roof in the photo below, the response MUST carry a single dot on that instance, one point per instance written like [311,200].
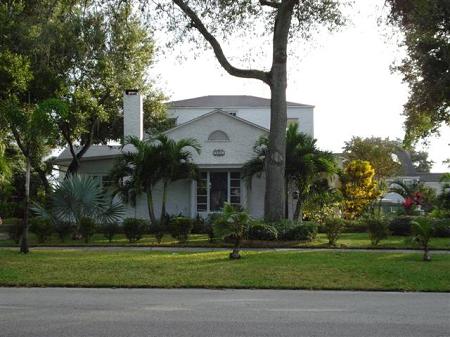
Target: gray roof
[224,101]
[94,152]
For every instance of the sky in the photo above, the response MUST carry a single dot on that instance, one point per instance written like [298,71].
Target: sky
[346,75]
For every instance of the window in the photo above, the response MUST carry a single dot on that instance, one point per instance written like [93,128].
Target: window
[215,188]
[218,136]
[292,121]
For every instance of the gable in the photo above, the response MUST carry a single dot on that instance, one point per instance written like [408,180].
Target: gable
[233,150]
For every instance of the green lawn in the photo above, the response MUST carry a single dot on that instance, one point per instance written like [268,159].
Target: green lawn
[347,240]
[293,269]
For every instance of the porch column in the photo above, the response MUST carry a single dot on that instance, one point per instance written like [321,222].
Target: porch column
[193,201]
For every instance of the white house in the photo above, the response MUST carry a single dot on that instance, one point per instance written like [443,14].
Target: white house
[227,128]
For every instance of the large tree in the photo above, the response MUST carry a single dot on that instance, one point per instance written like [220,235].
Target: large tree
[223,20]
[426,67]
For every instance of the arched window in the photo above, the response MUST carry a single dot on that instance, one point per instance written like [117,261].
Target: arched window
[218,136]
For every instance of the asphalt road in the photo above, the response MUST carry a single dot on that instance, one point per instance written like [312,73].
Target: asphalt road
[64,312]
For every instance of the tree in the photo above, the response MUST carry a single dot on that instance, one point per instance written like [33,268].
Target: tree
[137,171]
[414,194]
[378,151]
[5,167]
[283,20]
[358,188]
[175,163]
[426,28]
[34,135]
[234,223]
[422,232]
[305,165]
[420,161]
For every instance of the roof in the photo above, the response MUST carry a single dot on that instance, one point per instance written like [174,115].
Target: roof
[94,152]
[228,101]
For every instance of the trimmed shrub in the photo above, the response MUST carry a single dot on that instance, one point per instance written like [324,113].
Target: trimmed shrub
[109,230]
[63,229]
[355,226]
[333,229]
[157,230]
[306,231]
[283,227]
[378,229]
[134,229]
[401,225]
[180,228]
[42,228]
[87,228]
[199,226]
[441,228]
[262,232]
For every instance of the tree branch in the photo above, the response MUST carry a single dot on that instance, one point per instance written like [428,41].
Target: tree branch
[198,24]
[270,3]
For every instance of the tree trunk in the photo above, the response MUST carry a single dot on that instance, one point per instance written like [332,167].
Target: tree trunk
[234,255]
[286,198]
[151,211]
[24,240]
[426,254]
[274,202]
[298,214]
[163,206]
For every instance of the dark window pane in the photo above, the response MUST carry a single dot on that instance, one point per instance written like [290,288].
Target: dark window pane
[235,175]
[202,200]
[235,192]
[235,200]
[201,207]
[201,191]
[235,183]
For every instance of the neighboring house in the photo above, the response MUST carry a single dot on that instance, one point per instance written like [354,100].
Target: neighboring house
[227,128]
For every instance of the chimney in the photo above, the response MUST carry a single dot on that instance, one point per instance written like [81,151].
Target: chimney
[133,114]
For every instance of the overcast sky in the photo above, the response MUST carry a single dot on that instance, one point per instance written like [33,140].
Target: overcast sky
[346,75]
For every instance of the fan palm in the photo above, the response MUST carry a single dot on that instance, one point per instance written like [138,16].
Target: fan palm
[175,161]
[422,232]
[80,197]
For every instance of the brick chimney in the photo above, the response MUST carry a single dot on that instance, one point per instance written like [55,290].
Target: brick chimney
[133,114]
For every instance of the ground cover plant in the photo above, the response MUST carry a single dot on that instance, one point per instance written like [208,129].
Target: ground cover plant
[306,270]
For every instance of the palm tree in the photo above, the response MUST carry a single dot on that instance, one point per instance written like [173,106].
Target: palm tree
[232,222]
[175,161]
[305,164]
[422,231]
[80,197]
[137,171]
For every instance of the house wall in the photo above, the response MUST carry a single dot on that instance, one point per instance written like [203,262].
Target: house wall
[259,116]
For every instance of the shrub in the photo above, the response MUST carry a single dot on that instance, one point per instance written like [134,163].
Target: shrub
[180,228]
[87,228]
[422,231]
[262,232]
[134,229]
[157,230]
[377,228]
[333,229]
[355,226]
[63,229]
[283,227]
[199,226]
[305,231]
[401,225]
[13,227]
[42,228]
[441,228]
[109,230]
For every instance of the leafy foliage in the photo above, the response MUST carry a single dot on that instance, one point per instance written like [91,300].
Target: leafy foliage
[333,229]
[42,228]
[110,230]
[422,232]
[359,188]
[88,228]
[180,228]
[426,25]
[261,231]
[304,231]
[415,194]
[378,229]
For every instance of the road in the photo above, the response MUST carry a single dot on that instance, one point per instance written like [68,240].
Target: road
[73,312]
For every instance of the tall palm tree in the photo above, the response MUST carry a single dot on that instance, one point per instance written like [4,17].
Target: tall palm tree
[305,164]
[137,171]
[175,163]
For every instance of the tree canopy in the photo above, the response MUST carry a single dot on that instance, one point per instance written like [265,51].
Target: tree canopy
[426,67]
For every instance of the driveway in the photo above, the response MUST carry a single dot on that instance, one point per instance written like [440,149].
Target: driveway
[64,312]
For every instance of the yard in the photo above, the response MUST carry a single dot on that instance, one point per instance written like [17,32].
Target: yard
[347,240]
[292,269]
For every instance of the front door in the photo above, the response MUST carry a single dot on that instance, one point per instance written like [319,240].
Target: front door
[218,193]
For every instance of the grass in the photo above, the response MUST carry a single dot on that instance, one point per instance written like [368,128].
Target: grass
[283,270]
[347,240]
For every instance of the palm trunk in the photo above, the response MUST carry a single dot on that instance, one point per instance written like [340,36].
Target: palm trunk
[24,240]
[234,255]
[163,206]
[151,210]
[426,254]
